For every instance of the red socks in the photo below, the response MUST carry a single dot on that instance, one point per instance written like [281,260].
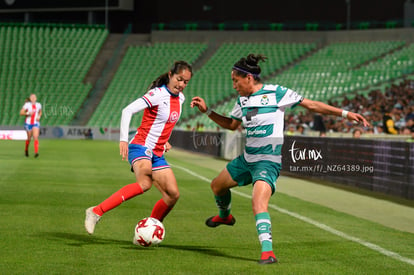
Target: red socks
[125,193]
[160,210]
[36,146]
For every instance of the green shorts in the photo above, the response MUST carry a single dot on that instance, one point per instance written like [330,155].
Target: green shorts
[245,173]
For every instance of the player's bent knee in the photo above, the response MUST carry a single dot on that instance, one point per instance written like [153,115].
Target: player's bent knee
[171,199]
[145,184]
[218,188]
[213,185]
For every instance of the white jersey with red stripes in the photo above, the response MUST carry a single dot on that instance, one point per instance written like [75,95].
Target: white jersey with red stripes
[159,119]
[34,110]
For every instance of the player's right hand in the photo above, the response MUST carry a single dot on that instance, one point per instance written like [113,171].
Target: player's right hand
[200,103]
[123,150]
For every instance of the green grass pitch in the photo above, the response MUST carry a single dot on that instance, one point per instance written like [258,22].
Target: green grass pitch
[42,204]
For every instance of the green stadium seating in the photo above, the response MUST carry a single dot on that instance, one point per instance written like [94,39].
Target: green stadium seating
[140,66]
[213,80]
[50,61]
[337,70]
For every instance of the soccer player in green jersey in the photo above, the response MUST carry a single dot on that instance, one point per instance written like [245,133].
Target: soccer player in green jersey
[260,108]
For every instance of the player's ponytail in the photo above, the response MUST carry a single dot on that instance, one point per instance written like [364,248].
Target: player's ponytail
[163,79]
[249,65]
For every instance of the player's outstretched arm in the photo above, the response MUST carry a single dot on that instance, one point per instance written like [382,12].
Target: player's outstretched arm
[224,122]
[322,108]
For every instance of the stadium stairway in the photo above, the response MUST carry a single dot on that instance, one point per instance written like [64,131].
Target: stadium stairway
[140,65]
[295,62]
[211,50]
[225,105]
[103,70]
[99,69]
[103,57]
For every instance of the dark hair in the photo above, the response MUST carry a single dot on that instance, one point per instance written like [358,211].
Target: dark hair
[249,65]
[176,68]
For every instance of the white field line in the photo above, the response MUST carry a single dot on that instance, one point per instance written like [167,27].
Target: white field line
[322,226]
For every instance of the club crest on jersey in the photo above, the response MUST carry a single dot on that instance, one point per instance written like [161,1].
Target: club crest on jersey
[173,117]
[264,100]
[148,153]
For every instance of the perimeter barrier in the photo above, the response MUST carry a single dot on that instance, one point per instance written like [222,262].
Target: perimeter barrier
[384,166]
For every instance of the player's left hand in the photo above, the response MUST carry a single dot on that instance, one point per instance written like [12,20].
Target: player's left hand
[167,147]
[358,118]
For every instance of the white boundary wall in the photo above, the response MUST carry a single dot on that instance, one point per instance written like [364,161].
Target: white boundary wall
[63,132]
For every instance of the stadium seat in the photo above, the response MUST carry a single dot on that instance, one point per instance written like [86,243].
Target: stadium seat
[148,62]
[50,61]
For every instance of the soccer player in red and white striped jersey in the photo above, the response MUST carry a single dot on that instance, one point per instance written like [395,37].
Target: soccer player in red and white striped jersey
[162,108]
[33,112]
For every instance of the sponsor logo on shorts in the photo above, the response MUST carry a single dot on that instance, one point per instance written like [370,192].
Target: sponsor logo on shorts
[148,153]
[263,174]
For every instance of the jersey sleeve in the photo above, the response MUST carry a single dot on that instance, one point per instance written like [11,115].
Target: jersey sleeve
[236,113]
[135,107]
[152,97]
[287,98]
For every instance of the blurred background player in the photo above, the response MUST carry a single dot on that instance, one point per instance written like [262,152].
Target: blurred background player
[162,105]
[33,112]
[260,107]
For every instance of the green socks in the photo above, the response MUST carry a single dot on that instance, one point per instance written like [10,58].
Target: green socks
[224,204]
[264,231]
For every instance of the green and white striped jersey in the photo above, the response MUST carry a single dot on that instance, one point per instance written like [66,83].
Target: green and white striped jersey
[262,115]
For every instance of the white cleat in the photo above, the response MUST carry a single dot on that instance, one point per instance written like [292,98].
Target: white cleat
[91,220]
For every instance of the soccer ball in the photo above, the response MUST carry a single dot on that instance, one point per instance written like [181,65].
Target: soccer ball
[149,231]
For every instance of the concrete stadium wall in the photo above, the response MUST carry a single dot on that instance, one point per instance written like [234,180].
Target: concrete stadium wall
[384,166]
[64,132]
[324,37]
